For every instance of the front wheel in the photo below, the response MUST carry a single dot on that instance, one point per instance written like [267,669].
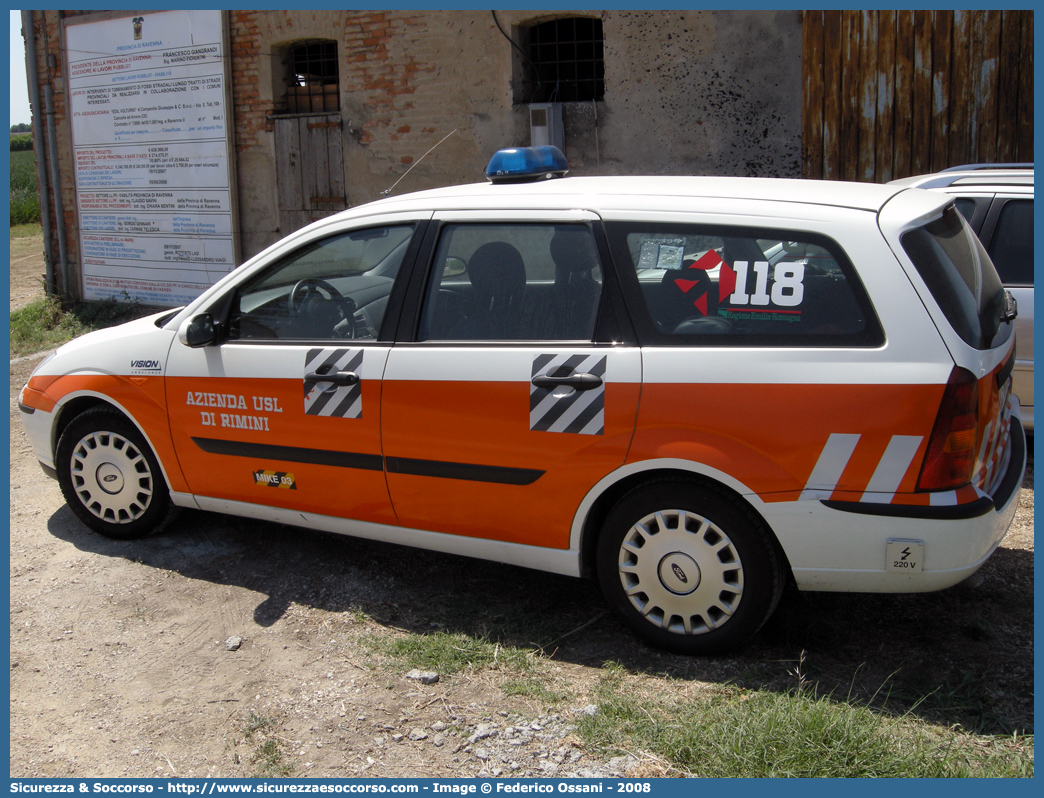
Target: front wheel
[689,567]
[109,476]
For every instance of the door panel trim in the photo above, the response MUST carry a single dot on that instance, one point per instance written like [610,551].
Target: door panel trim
[291,454]
[502,475]
[472,472]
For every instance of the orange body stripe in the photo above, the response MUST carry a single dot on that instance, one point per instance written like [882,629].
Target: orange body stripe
[770,437]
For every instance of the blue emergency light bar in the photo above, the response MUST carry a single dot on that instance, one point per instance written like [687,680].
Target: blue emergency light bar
[526,163]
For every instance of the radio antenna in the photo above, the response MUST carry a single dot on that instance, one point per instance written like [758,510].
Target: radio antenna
[388,191]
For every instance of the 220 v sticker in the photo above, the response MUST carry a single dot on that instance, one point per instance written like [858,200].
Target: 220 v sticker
[904,556]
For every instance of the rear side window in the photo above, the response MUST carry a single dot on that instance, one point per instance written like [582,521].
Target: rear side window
[1011,247]
[513,282]
[961,278]
[695,285]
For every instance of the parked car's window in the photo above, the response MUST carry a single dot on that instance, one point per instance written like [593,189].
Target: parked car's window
[335,288]
[961,277]
[966,206]
[1011,247]
[722,286]
[512,282]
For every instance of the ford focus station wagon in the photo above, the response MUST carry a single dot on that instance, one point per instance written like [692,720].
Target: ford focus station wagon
[692,389]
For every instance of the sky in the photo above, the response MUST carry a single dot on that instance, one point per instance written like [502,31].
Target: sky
[19,86]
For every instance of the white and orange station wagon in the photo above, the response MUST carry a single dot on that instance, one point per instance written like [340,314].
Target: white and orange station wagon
[693,389]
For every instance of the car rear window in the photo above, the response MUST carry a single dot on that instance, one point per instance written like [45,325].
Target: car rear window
[697,285]
[961,278]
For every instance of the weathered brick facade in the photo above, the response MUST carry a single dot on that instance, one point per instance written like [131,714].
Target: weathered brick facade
[685,92]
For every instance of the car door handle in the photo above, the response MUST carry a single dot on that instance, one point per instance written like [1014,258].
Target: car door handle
[336,377]
[580,382]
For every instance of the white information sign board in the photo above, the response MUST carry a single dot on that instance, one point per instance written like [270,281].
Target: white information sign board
[150,140]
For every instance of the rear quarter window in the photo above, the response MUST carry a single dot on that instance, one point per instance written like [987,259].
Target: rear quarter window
[961,278]
[696,285]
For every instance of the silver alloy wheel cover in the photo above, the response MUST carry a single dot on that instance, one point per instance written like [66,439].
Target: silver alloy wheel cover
[111,477]
[665,542]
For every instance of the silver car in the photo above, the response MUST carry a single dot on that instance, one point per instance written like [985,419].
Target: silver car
[997,201]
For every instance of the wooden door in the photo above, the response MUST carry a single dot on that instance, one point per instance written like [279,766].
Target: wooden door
[310,175]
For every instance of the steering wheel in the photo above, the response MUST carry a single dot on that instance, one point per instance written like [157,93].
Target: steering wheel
[306,298]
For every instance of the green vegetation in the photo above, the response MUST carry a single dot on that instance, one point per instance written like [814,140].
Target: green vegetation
[268,759]
[23,231]
[268,756]
[25,199]
[44,323]
[533,687]
[448,653]
[735,733]
[21,143]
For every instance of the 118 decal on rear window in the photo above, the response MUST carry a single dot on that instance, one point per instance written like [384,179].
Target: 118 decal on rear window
[787,284]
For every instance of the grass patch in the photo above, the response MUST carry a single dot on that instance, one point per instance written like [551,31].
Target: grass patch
[532,687]
[268,761]
[44,323]
[445,653]
[27,230]
[256,723]
[268,757]
[25,198]
[764,734]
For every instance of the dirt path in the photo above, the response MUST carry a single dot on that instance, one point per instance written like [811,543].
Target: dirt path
[27,270]
[227,647]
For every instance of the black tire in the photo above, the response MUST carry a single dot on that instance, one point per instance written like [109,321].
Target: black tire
[109,476]
[689,567]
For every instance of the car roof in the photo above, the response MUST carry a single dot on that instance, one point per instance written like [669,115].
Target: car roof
[633,193]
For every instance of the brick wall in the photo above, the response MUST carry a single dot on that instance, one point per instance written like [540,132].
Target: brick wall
[249,109]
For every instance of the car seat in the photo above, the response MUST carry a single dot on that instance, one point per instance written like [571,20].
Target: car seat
[576,289]
[494,309]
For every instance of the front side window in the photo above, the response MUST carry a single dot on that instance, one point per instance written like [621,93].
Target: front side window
[513,282]
[718,286]
[961,278]
[332,289]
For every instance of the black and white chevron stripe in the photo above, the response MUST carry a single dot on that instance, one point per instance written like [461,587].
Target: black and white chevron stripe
[324,399]
[565,409]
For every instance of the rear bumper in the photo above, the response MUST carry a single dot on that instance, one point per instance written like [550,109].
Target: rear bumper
[843,549]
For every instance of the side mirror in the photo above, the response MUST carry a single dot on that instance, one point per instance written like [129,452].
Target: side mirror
[198,331]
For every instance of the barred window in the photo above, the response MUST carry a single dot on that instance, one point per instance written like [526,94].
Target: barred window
[563,61]
[311,72]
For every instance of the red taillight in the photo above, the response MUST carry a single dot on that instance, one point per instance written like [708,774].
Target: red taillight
[950,458]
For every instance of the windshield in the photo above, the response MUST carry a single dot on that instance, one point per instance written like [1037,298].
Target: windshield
[961,278]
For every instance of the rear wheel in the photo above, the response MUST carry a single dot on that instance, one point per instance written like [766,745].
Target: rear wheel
[689,567]
[109,476]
